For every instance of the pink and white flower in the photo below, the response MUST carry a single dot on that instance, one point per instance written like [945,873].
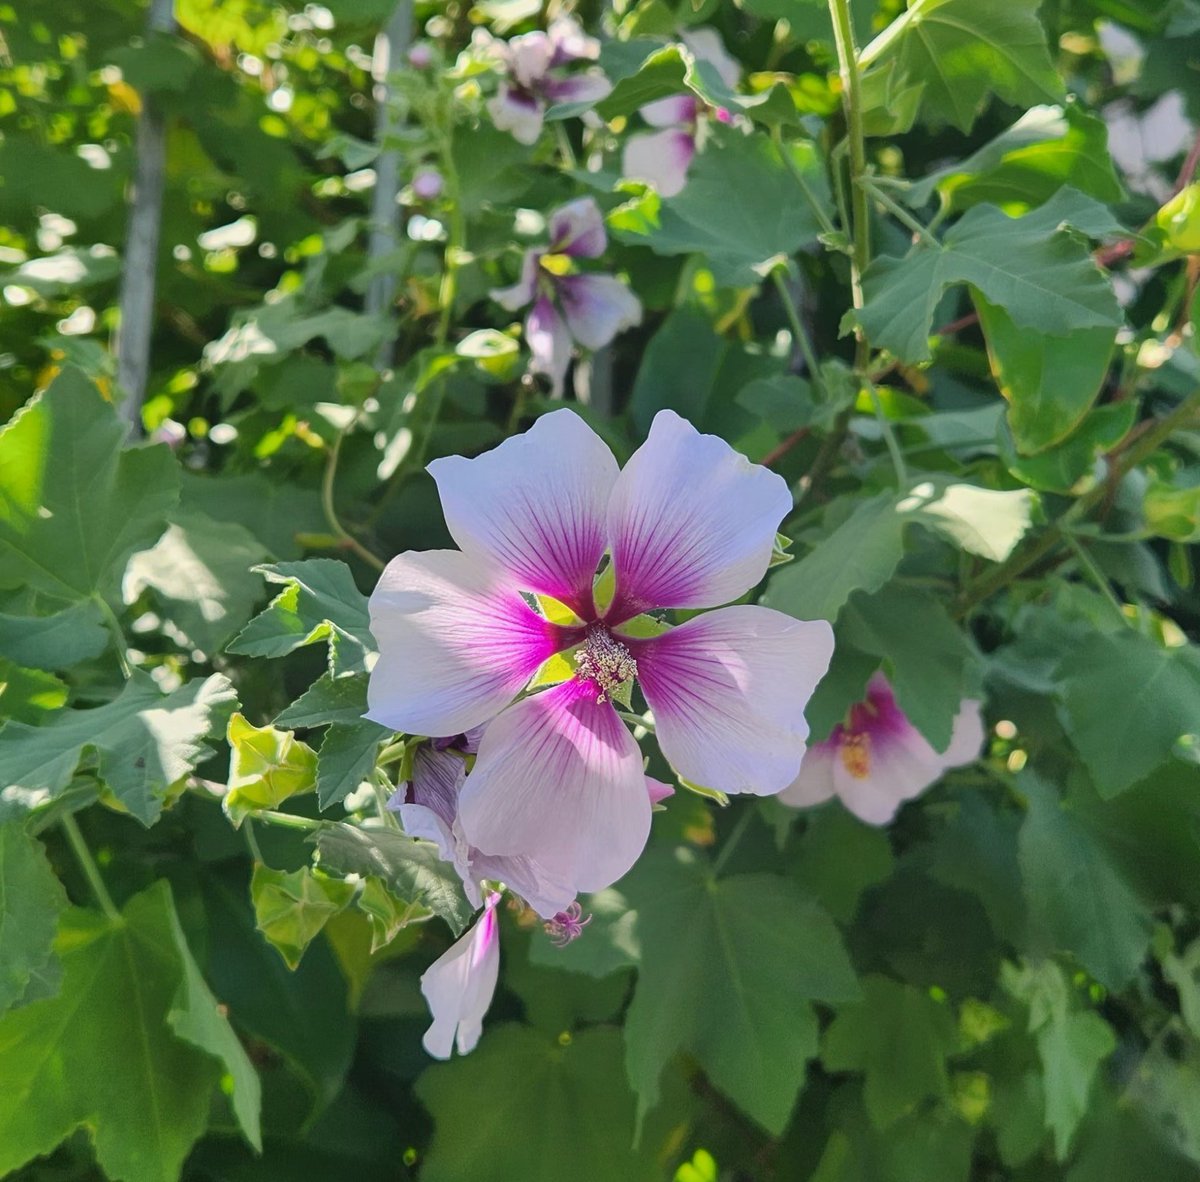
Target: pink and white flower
[877,759]
[535,77]
[568,306]
[689,523]
[662,158]
[460,984]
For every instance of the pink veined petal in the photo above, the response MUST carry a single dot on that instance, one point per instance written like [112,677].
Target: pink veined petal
[549,344]
[524,291]
[967,736]
[657,790]
[459,986]
[814,784]
[577,229]
[728,691]
[679,110]
[597,307]
[547,893]
[901,766]
[535,506]
[660,158]
[517,113]
[589,87]
[706,46]
[437,777]
[456,643]
[559,779]
[529,57]
[691,521]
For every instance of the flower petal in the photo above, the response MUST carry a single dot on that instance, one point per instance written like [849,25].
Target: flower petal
[692,522]
[535,506]
[728,691]
[660,158]
[524,290]
[570,42]
[579,88]
[814,784]
[577,229]
[597,307]
[547,893]
[675,111]
[456,643]
[706,46]
[517,113]
[657,790]
[529,57]
[419,821]
[967,736]
[549,344]
[459,986]
[559,779]
[902,765]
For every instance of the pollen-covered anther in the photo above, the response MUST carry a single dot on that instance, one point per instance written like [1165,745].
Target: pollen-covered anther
[605,662]
[855,750]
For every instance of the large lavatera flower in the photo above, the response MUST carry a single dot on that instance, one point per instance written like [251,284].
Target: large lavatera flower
[876,759]
[537,76]
[568,306]
[689,523]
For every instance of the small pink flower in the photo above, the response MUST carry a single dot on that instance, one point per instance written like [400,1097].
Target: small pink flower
[586,309]
[689,523]
[535,78]
[420,56]
[877,759]
[459,986]
[427,184]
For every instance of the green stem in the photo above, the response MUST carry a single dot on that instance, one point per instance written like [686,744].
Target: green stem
[327,503]
[889,437]
[91,871]
[381,800]
[252,841]
[818,209]
[899,212]
[636,720]
[118,634]
[288,820]
[797,325]
[732,840]
[1088,563]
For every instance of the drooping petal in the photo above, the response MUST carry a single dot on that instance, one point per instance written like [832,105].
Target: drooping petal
[728,690]
[678,111]
[437,777]
[524,290]
[967,736]
[516,112]
[706,45]
[549,344]
[597,307]
[546,892]
[691,521]
[814,784]
[459,986]
[529,57]
[418,821]
[660,158]
[657,790]
[577,229]
[590,87]
[535,506]
[559,779]
[456,643]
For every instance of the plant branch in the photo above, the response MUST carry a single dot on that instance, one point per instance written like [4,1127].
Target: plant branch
[328,505]
[91,871]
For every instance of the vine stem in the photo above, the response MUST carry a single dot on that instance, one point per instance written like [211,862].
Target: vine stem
[889,437]
[330,508]
[91,871]
[899,212]
[1088,563]
[288,820]
[797,326]
[118,634]
[739,831]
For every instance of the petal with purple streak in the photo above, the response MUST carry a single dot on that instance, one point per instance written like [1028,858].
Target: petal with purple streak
[559,779]
[524,290]
[456,643]
[516,112]
[579,88]
[535,506]
[529,57]
[678,111]
[660,158]
[459,986]
[570,42]
[549,344]
[728,690]
[597,307]
[577,229]
[691,521]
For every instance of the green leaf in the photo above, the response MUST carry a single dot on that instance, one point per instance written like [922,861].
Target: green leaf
[73,504]
[267,767]
[1171,511]
[200,570]
[411,870]
[746,174]
[31,898]
[612,940]
[1072,1043]
[141,743]
[69,637]
[387,915]
[1064,467]
[1050,382]
[584,1126]
[319,602]
[984,521]
[898,1036]
[102,1055]
[838,858]
[1041,275]
[290,909]
[29,695]
[1124,738]
[1075,895]
[861,554]
[965,50]
[728,969]
[660,75]
[328,699]
[346,758]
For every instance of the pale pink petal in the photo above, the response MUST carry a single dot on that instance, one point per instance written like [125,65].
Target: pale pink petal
[570,42]
[691,521]
[597,307]
[577,229]
[549,344]
[517,113]
[525,289]
[659,158]
[547,893]
[419,821]
[657,790]
[967,736]
[437,777]
[728,691]
[459,986]
[678,110]
[456,643]
[814,784]
[899,766]
[559,779]
[535,506]
[529,57]
[579,88]
[706,46]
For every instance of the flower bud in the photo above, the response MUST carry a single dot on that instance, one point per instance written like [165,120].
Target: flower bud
[427,184]
[420,56]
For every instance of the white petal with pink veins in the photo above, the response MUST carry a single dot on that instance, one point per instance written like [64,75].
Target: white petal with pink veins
[660,158]
[459,986]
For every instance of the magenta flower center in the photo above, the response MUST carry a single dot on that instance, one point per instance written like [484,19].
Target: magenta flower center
[605,662]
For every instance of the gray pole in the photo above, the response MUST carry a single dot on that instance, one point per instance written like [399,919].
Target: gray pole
[132,343]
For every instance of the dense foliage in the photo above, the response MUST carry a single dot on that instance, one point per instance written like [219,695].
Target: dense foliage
[935,266]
